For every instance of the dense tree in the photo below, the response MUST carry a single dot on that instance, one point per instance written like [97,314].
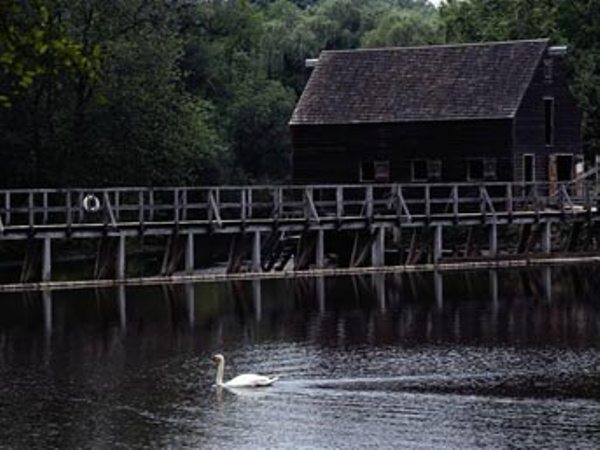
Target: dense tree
[133,124]
[34,45]
[402,28]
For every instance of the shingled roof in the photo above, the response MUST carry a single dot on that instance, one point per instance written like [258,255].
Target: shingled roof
[444,82]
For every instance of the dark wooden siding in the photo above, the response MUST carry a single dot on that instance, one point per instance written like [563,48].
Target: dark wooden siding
[530,121]
[333,153]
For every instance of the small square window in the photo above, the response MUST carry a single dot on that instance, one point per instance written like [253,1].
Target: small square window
[548,70]
[382,171]
[434,167]
[489,168]
[375,171]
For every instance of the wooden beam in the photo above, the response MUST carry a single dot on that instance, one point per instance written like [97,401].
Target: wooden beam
[256,255]
[378,248]
[493,239]
[320,249]
[189,253]
[120,265]
[109,210]
[438,243]
[214,209]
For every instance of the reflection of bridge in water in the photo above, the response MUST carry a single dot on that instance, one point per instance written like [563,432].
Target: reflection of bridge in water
[499,305]
[270,228]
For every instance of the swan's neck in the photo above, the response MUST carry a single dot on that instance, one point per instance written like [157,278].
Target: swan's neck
[220,371]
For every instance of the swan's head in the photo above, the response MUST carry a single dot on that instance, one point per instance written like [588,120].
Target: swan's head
[218,358]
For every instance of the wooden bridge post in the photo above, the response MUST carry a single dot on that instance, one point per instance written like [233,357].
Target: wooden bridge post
[189,253]
[438,244]
[493,239]
[256,262]
[120,262]
[47,259]
[547,237]
[320,249]
[378,248]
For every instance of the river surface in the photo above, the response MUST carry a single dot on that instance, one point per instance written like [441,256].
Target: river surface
[462,360]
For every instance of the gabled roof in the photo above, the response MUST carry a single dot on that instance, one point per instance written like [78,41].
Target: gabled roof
[443,82]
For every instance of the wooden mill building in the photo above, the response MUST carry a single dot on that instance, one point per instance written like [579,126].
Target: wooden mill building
[448,113]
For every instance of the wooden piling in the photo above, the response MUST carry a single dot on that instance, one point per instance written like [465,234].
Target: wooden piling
[493,239]
[547,237]
[378,248]
[438,243]
[189,253]
[256,257]
[120,266]
[320,249]
[47,259]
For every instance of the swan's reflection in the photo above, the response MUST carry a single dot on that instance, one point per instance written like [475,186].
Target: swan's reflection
[222,391]
[248,392]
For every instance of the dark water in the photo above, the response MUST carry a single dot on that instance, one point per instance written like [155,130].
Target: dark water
[463,360]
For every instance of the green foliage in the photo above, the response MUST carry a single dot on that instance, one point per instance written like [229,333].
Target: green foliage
[402,28]
[33,45]
[257,123]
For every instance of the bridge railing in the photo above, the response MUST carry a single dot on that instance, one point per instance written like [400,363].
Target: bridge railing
[220,204]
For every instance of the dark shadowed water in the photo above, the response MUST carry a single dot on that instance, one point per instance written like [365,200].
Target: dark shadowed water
[464,360]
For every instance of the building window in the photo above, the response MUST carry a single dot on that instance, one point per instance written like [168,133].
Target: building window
[548,70]
[549,120]
[375,171]
[564,167]
[434,168]
[489,169]
[528,168]
[426,169]
[479,169]
[419,170]
[382,171]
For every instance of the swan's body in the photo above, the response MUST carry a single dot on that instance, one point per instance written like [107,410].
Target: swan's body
[245,380]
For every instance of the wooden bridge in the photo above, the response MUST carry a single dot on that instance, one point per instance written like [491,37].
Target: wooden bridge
[295,227]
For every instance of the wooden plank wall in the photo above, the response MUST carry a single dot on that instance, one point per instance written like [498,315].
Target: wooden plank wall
[332,153]
[529,122]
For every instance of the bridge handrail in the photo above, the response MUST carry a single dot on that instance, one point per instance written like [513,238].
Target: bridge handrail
[217,205]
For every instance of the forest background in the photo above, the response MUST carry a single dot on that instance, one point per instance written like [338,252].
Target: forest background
[184,92]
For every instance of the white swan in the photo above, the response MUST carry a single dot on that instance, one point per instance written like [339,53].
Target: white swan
[245,380]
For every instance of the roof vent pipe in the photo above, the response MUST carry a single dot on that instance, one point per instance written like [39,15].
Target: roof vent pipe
[557,50]
[310,63]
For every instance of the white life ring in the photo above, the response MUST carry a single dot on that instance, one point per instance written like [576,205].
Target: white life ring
[90,203]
